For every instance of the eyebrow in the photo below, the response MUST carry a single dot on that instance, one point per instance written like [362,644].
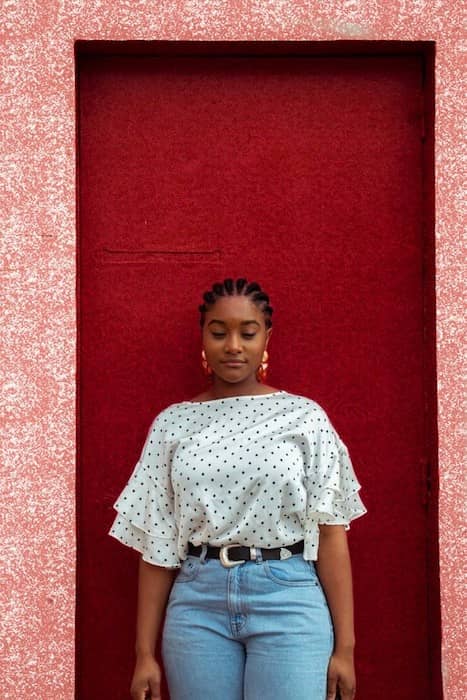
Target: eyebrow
[243,323]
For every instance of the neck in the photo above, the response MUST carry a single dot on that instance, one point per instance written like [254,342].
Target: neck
[221,390]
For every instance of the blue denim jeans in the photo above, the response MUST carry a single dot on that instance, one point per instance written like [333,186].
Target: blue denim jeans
[260,630]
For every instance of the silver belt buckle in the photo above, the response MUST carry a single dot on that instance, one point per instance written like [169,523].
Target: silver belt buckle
[224,558]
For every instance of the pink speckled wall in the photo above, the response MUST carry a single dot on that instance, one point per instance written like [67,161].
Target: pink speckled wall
[38,314]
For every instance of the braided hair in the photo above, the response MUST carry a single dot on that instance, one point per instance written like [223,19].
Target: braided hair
[240,287]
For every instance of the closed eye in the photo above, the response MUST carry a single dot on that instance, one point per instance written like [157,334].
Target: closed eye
[245,335]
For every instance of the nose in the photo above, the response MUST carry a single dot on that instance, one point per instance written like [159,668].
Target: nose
[233,343]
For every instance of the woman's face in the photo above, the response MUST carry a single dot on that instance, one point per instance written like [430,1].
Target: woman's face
[234,339]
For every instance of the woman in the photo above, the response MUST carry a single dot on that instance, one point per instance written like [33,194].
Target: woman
[239,506]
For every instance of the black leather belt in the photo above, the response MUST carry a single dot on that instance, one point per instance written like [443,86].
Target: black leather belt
[233,554]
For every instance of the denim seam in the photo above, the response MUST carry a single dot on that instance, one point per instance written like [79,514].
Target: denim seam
[291,584]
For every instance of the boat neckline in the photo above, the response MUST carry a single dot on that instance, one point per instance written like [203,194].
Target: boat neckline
[240,396]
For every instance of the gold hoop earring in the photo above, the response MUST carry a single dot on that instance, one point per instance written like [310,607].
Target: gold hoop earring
[206,368]
[262,370]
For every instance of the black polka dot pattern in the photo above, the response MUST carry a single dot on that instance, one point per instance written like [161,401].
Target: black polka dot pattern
[260,470]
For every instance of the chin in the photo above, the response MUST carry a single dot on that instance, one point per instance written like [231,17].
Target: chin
[232,379]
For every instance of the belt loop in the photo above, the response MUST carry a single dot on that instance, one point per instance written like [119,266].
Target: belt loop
[202,556]
[259,555]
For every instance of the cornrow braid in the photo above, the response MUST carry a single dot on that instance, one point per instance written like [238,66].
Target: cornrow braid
[239,287]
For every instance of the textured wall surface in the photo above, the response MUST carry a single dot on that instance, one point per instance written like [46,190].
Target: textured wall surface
[38,310]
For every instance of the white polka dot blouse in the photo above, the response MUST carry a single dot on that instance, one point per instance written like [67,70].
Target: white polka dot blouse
[258,470]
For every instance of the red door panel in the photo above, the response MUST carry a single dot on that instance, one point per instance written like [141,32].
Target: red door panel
[305,173]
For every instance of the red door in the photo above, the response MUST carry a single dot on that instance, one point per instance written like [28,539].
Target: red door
[306,173]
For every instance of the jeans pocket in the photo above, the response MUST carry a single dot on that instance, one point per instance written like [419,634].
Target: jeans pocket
[294,571]
[188,570]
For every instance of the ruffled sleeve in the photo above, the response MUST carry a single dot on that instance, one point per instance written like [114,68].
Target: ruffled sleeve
[145,508]
[332,486]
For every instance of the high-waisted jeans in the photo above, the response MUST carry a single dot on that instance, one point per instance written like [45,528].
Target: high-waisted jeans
[260,630]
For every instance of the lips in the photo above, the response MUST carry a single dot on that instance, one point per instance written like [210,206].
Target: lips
[233,363]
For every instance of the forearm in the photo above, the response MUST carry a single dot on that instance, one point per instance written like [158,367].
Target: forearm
[335,573]
[154,585]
